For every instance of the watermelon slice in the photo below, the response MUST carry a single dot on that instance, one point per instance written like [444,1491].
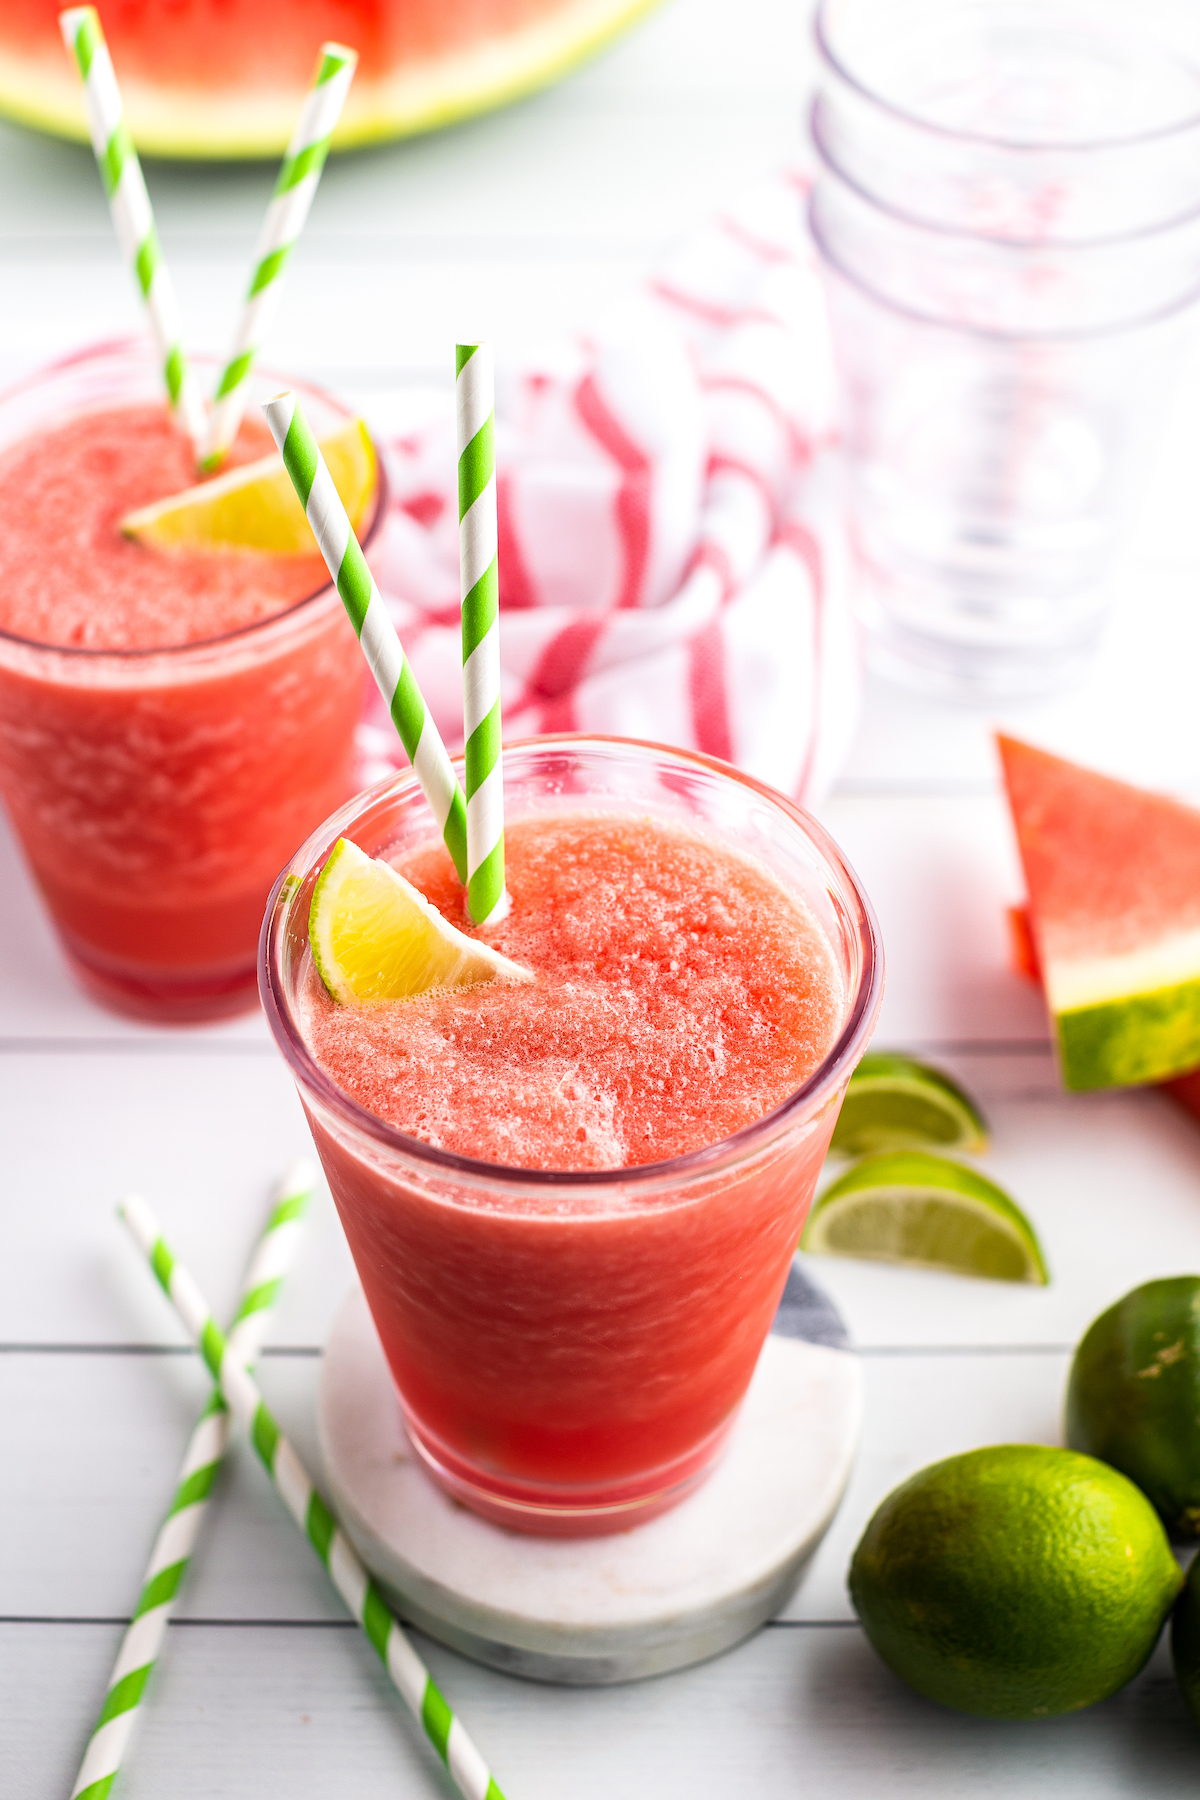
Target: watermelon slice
[1184,1090]
[225,78]
[1113,875]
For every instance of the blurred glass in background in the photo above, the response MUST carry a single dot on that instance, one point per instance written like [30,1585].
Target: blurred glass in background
[1007,209]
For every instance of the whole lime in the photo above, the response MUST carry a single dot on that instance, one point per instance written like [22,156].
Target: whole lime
[1015,1582]
[1133,1398]
[1185,1641]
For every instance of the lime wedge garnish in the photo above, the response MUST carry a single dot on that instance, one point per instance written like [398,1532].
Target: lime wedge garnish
[928,1212]
[255,507]
[895,1103]
[376,937]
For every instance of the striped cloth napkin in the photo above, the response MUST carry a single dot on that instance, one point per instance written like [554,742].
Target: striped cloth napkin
[672,560]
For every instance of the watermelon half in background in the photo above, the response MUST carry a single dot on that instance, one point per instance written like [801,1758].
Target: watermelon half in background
[225,78]
[1113,876]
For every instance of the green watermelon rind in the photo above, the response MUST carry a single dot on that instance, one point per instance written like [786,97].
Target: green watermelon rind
[1132,1039]
[406,101]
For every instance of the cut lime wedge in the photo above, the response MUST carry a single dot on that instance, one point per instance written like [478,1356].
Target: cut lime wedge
[896,1103]
[929,1213]
[255,507]
[376,937]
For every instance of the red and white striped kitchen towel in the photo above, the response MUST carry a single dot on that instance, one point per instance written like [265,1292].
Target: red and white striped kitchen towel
[672,563]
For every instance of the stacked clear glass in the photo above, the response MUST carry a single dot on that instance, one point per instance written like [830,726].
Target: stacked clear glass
[1007,209]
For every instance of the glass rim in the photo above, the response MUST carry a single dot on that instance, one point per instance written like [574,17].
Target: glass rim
[1080,334]
[942,229]
[140,656]
[1011,146]
[833,1068]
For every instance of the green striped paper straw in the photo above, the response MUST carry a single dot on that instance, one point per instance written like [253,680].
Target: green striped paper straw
[316,1521]
[294,191]
[475,412]
[168,1565]
[125,186]
[377,635]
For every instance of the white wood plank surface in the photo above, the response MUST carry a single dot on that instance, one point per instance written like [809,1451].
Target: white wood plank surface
[124,1418]
[797,1711]
[1111,1182]
[528,224]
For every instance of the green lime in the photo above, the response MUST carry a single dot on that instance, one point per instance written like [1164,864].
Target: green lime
[1133,1398]
[895,1103]
[254,507]
[928,1212]
[1185,1640]
[374,936]
[1015,1582]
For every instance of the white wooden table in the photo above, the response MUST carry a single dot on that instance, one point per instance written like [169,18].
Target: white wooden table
[514,226]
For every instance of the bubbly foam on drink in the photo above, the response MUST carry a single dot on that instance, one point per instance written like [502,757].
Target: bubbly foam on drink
[680,995]
[65,493]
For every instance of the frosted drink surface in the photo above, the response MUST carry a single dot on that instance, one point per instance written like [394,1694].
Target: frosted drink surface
[681,994]
[65,492]
[172,722]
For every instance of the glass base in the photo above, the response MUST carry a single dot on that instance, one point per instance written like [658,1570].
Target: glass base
[974,655]
[163,998]
[571,1517]
[973,677]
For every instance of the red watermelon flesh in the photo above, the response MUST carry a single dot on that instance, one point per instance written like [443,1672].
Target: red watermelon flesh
[1022,947]
[226,77]
[271,43]
[1113,875]
[1185,1091]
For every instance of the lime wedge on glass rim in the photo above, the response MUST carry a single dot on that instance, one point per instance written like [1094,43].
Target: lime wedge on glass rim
[255,506]
[896,1103]
[376,937]
[928,1213]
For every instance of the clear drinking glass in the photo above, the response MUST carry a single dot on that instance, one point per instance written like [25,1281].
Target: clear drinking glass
[156,793]
[570,1348]
[1029,120]
[1008,215]
[991,468]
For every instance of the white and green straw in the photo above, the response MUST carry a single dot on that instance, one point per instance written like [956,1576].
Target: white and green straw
[125,186]
[376,634]
[169,1559]
[316,1521]
[478,538]
[293,196]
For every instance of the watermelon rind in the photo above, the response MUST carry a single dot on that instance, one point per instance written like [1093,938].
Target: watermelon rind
[1113,877]
[1131,1039]
[248,123]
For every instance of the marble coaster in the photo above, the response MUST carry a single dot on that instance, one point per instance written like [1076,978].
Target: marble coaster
[606,1609]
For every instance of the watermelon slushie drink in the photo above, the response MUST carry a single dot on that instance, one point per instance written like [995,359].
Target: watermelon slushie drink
[171,723]
[573,1203]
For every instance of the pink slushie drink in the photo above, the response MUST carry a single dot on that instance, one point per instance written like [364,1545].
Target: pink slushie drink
[171,723]
[573,1204]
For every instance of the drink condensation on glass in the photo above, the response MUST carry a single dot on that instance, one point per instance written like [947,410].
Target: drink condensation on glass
[170,725]
[1007,209]
[570,1344]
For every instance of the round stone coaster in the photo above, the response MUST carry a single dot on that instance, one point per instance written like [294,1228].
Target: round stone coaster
[606,1609]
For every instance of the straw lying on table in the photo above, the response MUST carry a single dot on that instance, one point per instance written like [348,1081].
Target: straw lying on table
[294,191]
[125,186]
[380,644]
[404,1666]
[180,1530]
[478,539]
